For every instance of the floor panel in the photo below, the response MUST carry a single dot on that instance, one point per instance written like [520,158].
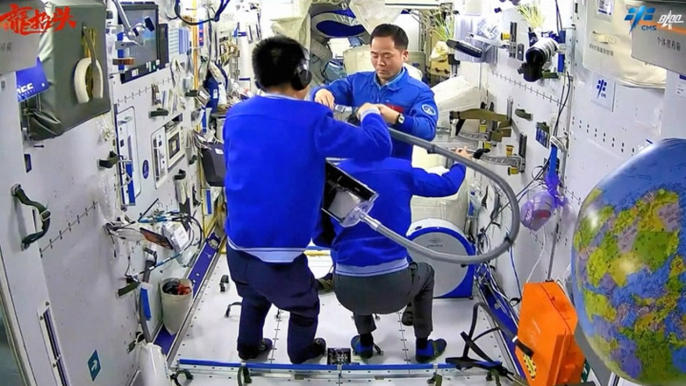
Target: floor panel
[212,336]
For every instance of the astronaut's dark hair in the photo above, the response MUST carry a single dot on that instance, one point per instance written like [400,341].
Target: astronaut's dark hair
[275,61]
[394,32]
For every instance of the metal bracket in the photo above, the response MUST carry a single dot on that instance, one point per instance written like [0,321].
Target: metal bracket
[513,40]
[493,136]
[482,137]
[513,161]
[501,124]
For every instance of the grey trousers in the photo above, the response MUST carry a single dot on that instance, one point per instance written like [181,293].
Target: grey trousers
[387,294]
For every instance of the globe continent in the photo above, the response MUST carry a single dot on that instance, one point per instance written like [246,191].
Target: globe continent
[629,267]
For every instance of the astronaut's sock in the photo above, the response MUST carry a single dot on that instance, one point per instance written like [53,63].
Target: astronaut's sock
[422,343]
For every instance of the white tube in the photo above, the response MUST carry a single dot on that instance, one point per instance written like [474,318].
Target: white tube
[320,50]
[447,257]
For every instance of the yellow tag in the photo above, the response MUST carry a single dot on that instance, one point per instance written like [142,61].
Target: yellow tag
[530,366]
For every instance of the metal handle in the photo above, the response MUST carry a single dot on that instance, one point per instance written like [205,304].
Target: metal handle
[43,213]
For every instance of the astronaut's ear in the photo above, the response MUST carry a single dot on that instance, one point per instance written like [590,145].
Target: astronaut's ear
[405,55]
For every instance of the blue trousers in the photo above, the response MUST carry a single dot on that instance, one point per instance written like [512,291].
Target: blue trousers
[290,287]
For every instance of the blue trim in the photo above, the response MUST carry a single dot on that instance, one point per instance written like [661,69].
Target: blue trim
[466,288]
[130,190]
[314,367]
[145,300]
[504,318]
[121,53]
[197,275]
[208,201]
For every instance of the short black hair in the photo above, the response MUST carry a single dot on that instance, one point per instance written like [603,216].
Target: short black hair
[275,61]
[394,32]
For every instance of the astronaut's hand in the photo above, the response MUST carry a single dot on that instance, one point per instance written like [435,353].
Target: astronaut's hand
[365,107]
[462,152]
[389,115]
[324,97]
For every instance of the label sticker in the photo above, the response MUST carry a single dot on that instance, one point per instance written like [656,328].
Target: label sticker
[604,92]
[681,86]
[606,7]
[146,169]
[94,365]
[31,81]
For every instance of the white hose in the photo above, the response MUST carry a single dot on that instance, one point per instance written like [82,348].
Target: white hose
[441,256]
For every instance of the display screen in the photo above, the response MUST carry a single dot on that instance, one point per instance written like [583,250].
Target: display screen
[147,52]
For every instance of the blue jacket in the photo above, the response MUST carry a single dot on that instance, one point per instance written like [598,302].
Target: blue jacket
[275,150]
[412,98]
[361,251]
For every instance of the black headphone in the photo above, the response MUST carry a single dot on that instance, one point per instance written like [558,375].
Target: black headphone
[302,77]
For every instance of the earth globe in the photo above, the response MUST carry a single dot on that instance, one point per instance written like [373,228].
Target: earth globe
[629,267]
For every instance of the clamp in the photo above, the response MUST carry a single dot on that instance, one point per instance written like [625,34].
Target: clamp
[521,113]
[500,128]
[223,283]
[175,377]
[228,309]
[514,162]
[109,162]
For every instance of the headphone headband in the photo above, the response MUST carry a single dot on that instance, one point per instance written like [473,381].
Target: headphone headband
[303,76]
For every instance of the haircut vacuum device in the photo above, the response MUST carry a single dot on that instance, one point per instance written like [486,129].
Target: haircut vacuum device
[349,202]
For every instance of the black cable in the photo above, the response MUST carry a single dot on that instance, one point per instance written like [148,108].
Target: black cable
[559,17]
[540,174]
[490,330]
[564,102]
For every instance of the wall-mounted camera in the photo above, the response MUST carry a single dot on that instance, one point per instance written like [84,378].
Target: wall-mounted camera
[537,58]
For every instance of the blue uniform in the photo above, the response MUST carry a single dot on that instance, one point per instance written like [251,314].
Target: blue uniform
[361,251]
[412,98]
[275,150]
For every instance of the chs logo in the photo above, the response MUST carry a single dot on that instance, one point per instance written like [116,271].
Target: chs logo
[645,14]
[601,87]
